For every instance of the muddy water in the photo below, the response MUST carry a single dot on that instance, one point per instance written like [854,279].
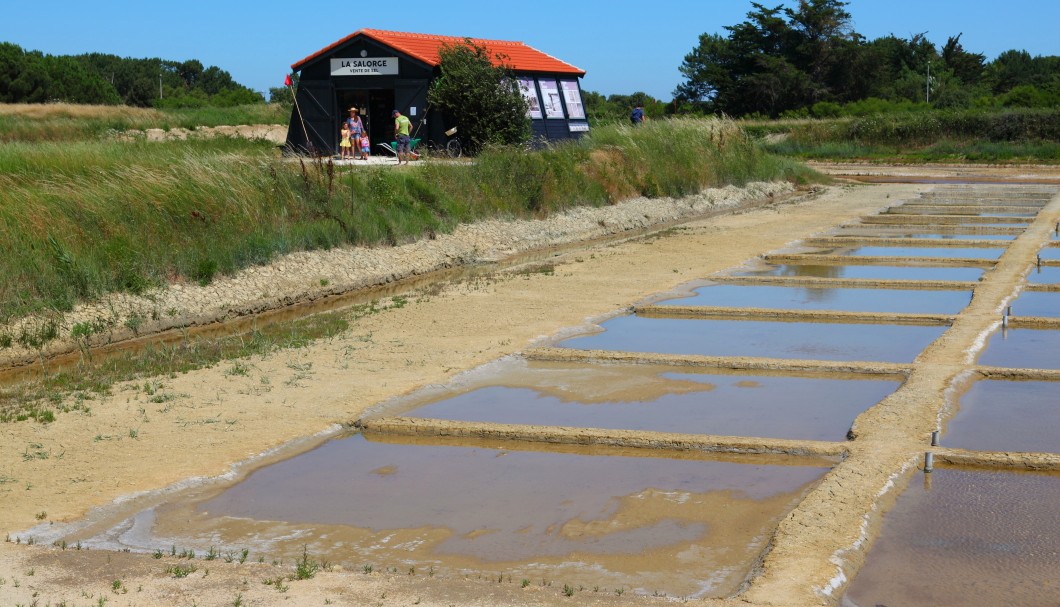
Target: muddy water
[1037,303]
[809,407]
[999,415]
[837,299]
[974,539]
[874,251]
[866,272]
[686,527]
[1023,348]
[801,340]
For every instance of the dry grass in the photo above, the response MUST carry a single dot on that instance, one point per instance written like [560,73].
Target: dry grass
[70,110]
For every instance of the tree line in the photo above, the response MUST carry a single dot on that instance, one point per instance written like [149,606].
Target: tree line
[101,79]
[808,61]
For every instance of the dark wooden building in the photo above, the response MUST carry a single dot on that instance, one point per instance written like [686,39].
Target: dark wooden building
[379,71]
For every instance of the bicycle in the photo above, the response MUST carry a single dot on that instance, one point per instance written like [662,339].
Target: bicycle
[453,148]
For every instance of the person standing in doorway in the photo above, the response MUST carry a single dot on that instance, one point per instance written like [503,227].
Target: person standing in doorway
[402,128]
[366,146]
[346,146]
[356,127]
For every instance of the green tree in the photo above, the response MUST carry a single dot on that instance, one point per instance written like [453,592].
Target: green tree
[967,67]
[776,60]
[479,95]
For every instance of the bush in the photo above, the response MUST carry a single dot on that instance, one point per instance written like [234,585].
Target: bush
[483,100]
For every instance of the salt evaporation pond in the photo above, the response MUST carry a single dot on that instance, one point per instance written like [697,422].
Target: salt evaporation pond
[777,339]
[867,272]
[807,407]
[842,299]
[974,539]
[997,415]
[690,525]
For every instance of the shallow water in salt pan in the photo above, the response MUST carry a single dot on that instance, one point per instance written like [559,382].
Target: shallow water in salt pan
[974,539]
[1037,303]
[866,272]
[836,299]
[736,404]
[1023,348]
[687,526]
[1044,274]
[803,340]
[946,252]
[997,415]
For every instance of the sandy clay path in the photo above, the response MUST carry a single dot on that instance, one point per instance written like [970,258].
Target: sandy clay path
[211,420]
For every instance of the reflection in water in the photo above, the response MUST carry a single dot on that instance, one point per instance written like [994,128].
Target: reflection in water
[802,340]
[773,406]
[1023,348]
[1050,253]
[1037,303]
[1044,274]
[945,252]
[843,299]
[689,527]
[974,539]
[1007,416]
[867,272]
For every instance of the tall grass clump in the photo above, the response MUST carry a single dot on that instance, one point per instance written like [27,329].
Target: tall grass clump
[82,219]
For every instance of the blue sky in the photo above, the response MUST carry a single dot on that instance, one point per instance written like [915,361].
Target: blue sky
[624,46]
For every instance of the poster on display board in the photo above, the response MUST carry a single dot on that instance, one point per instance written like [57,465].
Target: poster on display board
[550,95]
[526,85]
[572,98]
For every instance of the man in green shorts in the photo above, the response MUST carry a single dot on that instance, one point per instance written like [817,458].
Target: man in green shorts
[402,127]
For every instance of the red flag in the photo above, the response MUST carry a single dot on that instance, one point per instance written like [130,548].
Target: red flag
[287,80]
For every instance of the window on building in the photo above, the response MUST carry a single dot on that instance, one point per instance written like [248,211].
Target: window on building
[573,98]
[526,85]
[551,97]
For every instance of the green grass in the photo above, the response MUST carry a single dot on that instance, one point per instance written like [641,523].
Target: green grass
[83,219]
[63,123]
[951,136]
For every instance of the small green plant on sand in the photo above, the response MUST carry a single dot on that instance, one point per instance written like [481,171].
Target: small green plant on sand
[306,567]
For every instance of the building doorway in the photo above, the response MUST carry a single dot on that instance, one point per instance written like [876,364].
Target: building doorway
[375,106]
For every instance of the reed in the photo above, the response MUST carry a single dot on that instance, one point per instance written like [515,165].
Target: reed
[79,219]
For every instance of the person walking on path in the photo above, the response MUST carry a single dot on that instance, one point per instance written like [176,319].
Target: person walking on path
[402,128]
[356,127]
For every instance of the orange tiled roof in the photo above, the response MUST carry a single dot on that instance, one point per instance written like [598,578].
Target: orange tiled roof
[520,57]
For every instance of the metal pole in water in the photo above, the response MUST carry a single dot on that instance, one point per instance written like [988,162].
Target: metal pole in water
[935,438]
[1039,262]
[929,461]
